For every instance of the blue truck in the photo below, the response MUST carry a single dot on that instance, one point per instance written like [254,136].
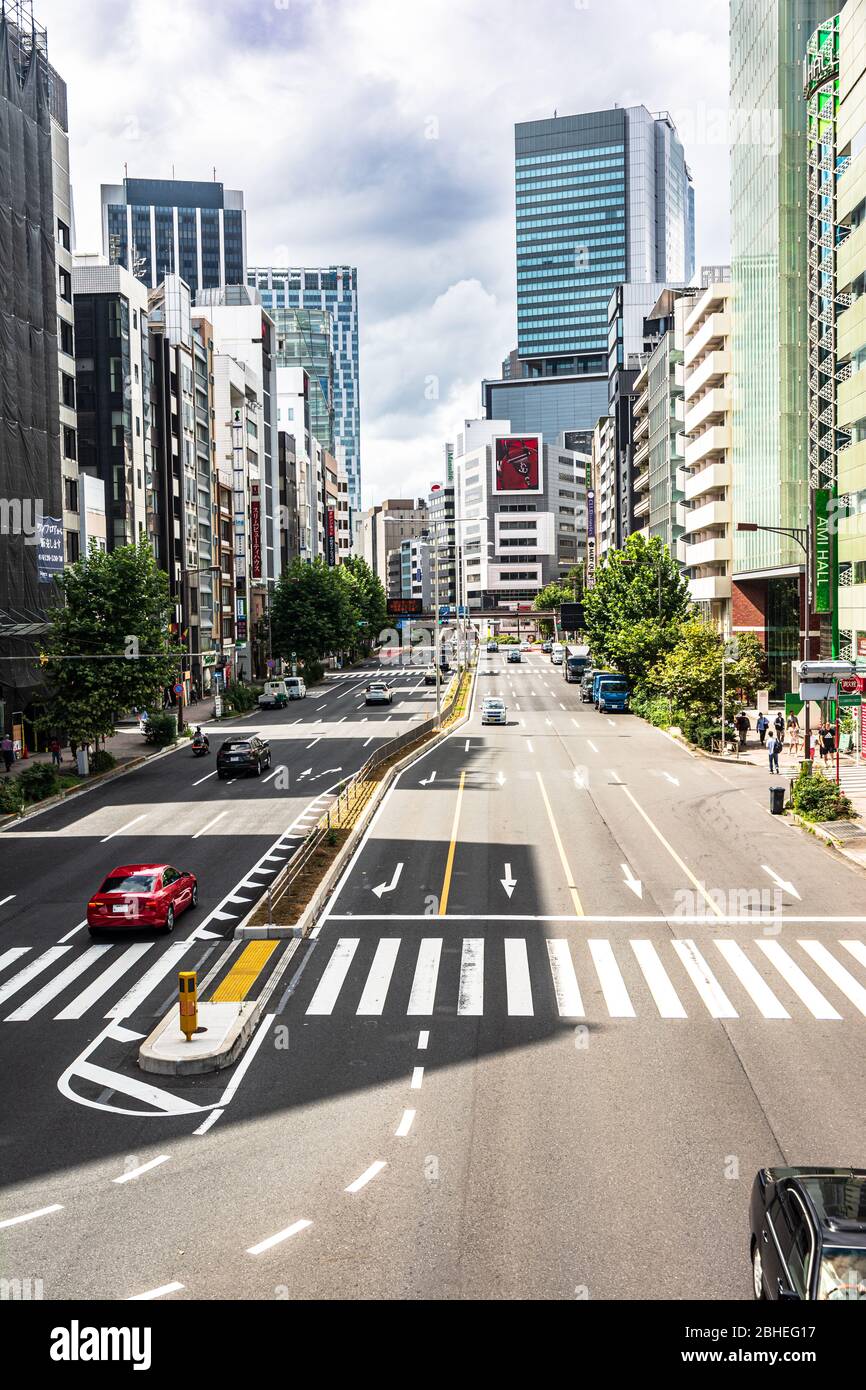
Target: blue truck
[613,694]
[598,677]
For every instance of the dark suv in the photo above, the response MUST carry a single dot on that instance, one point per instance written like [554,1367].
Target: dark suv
[239,755]
[809,1233]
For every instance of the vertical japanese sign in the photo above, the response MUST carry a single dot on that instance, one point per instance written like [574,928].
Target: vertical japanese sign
[823,597]
[332,536]
[49,556]
[255,532]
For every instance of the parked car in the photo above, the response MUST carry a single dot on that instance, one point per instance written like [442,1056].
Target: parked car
[378,693]
[808,1236]
[142,895]
[493,711]
[249,754]
[514,654]
[277,694]
[586,687]
[493,646]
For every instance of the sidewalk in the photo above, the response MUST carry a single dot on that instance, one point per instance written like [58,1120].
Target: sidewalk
[852,770]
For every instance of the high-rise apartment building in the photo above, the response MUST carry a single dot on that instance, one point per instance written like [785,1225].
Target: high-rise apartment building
[334,289]
[385,526]
[770,327]
[160,227]
[602,198]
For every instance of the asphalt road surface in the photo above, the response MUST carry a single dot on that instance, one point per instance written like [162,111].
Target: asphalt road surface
[575,986]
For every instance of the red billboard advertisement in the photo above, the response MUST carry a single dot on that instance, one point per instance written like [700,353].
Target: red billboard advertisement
[255,533]
[517,463]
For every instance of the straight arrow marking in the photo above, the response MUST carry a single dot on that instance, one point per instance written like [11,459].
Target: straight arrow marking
[784,884]
[631,882]
[508,883]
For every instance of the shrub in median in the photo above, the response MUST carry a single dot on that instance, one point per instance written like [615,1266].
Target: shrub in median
[39,781]
[11,797]
[240,697]
[816,798]
[161,729]
[102,761]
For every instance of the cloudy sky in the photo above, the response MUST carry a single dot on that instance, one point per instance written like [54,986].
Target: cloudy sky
[380,133]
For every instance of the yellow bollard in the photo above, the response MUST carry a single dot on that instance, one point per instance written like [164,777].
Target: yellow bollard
[188,997]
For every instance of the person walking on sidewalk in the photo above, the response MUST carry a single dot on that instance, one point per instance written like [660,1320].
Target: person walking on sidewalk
[794,733]
[774,748]
[828,742]
[762,726]
[779,726]
[56,751]
[7,748]
[743,724]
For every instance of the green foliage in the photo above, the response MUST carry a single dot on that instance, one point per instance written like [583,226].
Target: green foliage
[109,647]
[161,729]
[690,675]
[368,599]
[239,697]
[636,607]
[313,612]
[102,761]
[11,797]
[38,782]
[816,798]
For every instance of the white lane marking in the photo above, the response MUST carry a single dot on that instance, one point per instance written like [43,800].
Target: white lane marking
[369,740]
[321,706]
[466,749]
[842,978]
[612,723]
[333,976]
[211,1120]
[74,931]
[31,971]
[856,949]
[314,742]
[405,1124]
[592,745]
[367,1176]
[417,1078]
[423,1039]
[423,994]
[143,1168]
[470,997]
[270,775]
[388,887]
[82,1002]
[610,978]
[7,899]
[517,707]
[575,723]
[167,962]
[12,954]
[204,779]
[205,828]
[818,1006]
[155,1293]
[717,1003]
[565,986]
[123,828]
[614,776]
[754,985]
[561,705]
[271,1241]
[518,987]
[31,1215]
[376,988]
[783,883]
[529,747]
[247,1060]
[667,1000]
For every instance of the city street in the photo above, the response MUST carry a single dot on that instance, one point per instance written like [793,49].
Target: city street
[575,986]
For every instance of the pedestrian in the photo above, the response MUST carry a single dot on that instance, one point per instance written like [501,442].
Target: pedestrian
[56,751]
[779,726]
[794,733]
[743,724]
[828,742]
[762,726]
[7,748]
[774,748]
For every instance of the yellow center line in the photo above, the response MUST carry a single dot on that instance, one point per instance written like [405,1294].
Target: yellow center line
[676,858]
[241,978]
[446,882]
[569,877]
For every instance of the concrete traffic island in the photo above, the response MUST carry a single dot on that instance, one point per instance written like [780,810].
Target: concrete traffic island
[227,1026]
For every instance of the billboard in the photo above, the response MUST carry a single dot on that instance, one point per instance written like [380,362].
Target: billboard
[255,533]
[409,606]
[332,536]
[822,558]
[49,556]
[517,463]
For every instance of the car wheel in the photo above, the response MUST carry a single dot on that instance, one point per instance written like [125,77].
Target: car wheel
[169,919]
[193,902]
[757,1273]
[259,768]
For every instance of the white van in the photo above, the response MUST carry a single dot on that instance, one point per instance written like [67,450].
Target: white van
[557,652]
[278,693]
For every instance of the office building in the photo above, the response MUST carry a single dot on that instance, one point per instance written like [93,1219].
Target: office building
[602,198]
[547,405]
[385,526]
[417,571]
[335,290]
[706,506]
[770,327]
[302,338]
[191,229]
[112,372]
[442,533]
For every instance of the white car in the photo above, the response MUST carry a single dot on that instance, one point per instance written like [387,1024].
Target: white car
[493,711]
[378,693]
[279,692]
[526,646]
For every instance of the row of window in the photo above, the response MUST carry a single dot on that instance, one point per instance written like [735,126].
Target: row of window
[530,208]
[565,178]
[561,156]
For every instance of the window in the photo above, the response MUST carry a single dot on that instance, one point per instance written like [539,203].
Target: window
[72,547]
[135,372]
[70,443]
[67,338]
[71,489]
[65,280]
[67,385]
[63,235]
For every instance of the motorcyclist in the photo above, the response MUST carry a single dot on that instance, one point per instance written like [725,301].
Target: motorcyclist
[200,740]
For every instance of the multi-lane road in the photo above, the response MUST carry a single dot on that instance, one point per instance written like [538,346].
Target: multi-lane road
[574,987]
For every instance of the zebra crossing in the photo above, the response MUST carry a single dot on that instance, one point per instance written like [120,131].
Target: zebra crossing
[106,964]
[853,779]
[596,977]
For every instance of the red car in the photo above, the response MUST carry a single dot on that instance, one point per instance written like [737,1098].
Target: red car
[142,895]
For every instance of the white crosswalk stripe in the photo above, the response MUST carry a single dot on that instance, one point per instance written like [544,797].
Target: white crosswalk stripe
[423,995]
[102,984]
[379,978]
[565,985]
[613,986]
[517,982]
[31,970]
[751,981]
[58,984]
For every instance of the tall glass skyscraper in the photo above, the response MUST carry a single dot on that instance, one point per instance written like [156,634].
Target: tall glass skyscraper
[603,198]
[335,290]
[159,227]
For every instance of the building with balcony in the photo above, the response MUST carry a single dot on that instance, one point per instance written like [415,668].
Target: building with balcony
[704,509]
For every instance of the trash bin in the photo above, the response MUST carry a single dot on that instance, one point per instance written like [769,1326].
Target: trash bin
[777,800]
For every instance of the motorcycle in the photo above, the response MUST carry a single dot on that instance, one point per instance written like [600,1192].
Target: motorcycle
[200,746]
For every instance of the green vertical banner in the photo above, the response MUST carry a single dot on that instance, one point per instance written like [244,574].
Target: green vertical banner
[823,552]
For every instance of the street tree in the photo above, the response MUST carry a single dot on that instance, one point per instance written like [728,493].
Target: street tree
[369,601]
[109,648]
[312,612]
[636,607]
[690,675]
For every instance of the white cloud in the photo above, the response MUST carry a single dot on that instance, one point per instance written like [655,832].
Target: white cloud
[322,111]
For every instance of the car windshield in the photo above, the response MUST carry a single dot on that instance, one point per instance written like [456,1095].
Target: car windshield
[236,747]
[609,687]
[129,883]
[842,1274]
[493,703]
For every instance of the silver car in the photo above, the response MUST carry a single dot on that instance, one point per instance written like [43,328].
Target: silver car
[378,693]
[493,711]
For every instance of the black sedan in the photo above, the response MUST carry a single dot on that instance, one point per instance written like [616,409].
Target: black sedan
[809,1233]
[248,755]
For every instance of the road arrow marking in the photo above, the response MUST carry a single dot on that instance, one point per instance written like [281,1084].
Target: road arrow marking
[325,773]
[631,882]
[427,780]
[508,883]
[389,887]
[305,773]
[675,781]
[500,777]
[782,883]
